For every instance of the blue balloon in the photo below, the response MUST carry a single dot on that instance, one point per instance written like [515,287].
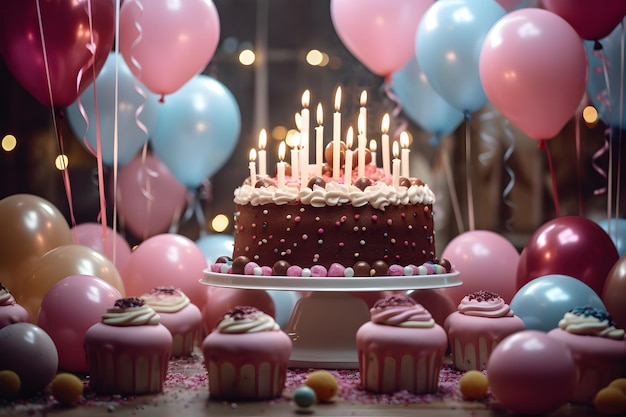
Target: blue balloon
[448,42]
[607,101]
[542,302]
[617,233]
[215,245]
[421,103]
[131,137]
[197,130]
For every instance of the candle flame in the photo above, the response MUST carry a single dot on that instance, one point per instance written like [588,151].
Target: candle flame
[338,99]
[404,139]
[395,149]
[361,124]
[281,151]
[384,126]
[363,98]
[262,139]
[298,118]
[320,114]
[252,154]
[349,137]
[373,145]
[306,98]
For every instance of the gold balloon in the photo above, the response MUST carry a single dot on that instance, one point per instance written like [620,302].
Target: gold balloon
[30,226]
[614,293]
[60,263]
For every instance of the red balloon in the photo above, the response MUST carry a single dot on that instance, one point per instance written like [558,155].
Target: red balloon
[67,37]
[592,19]
[568,245]
[614,294]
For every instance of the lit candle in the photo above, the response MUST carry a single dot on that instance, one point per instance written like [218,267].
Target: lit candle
[319,141]
[295,157]
[395,166]
[373,148]
[304,139]
[337,135]
[361,143]
[404,143]
[347,171]
[252,166]
[363,111]
[385,143]
[262,159]
[280,167]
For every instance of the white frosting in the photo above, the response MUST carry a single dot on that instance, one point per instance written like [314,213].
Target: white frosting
[589,325]
[132,316]
[260,322]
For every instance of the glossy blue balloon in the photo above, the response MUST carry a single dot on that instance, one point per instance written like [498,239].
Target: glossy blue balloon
[617,233]
[542,302]
[607,101]
[197,130]
[421,103]
[215,245]
[448,42]
[131,137]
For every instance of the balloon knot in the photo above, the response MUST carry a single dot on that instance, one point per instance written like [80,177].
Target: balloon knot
[162,99]
[542,144]
[467,116]
[597,46]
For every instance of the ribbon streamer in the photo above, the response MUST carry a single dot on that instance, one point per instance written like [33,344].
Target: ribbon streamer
[397,110]
[468,175]
[507,168]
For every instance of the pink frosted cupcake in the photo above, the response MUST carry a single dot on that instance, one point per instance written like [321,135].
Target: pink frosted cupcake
[598,348]
[246,356]
[10,311]
[401,348]
[182,318]
[128,351]
[481,321]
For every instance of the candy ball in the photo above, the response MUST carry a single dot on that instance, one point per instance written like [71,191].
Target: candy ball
[304,396]
[323,383]
[610,401]
[531,373]
[66,388]
[10,385]
[473,385]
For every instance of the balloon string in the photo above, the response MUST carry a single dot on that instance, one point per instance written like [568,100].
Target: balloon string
[456,207]
[468,175]
[578,170]
[507,167]
[116,124]
[395,113]
[619,131]
[555,195]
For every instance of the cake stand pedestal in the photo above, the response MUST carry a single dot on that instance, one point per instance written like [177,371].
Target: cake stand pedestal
[323,325]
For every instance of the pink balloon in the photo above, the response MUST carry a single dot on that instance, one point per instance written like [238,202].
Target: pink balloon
[220,300]
[149,198]
[437,302]
[379,33]
[165,43]
[533,67]
[485,261]
[592,19]
[113,245]
[508,5]
[166,260]
[71,307]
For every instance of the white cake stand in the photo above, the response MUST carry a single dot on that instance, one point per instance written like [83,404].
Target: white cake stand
[323,324]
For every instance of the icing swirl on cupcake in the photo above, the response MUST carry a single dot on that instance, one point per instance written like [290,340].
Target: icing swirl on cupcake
[484,304]
[166,299]
[246,319]
[401,311]
[131,311]
[591,322]
[6,298]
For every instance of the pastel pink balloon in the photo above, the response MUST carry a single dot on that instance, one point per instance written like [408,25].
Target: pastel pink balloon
[165,43]
[149,198]
[437,302]
[485,261]
[166,260]
[379,33]
[112,245]
[533,67]
[69,308]
[220,300]
[592,19]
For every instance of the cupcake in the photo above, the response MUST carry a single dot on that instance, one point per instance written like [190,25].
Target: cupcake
[598,348]
[481,321]
[182,318]
[10,311]
[400,348]
[128,351]
[246,356]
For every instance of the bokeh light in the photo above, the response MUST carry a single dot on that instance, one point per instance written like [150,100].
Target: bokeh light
[220,223]
[9,142]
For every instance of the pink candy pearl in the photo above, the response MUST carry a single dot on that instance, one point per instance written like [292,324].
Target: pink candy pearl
[336,270]
[318,271]
[294,271]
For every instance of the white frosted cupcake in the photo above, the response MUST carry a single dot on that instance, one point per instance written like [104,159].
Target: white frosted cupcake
[10,311]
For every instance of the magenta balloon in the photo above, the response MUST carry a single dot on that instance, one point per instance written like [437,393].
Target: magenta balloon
[112,245]
[66,36]
[166,260]
[165,43]
[533,67]
[379,33]
[71,307]
[592,19]
[149,198]
[568,245]
[485,261]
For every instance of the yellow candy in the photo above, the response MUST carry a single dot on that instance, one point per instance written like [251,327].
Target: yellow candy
[610,401]
[323,383]
[473,385]
[66,388]
[619,383]
[10,384]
